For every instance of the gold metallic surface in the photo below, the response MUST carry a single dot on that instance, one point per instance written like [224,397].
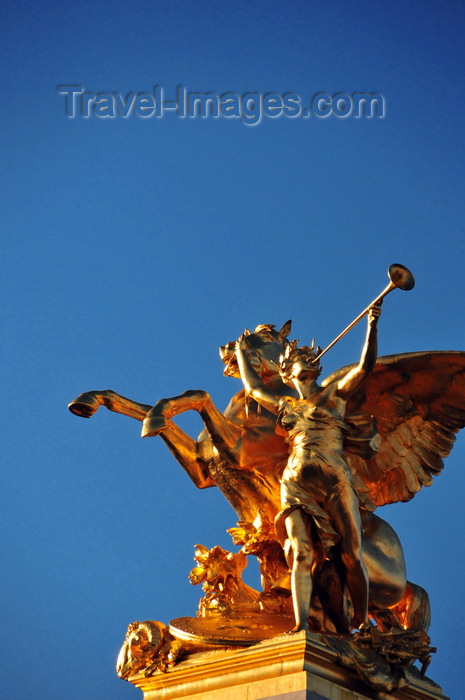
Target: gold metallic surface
[230,631]
[147,646]
[400,277]
[220,573]
[289,663]
[319,504]
[264,469]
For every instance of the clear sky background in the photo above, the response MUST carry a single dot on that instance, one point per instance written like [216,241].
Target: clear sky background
[133,248]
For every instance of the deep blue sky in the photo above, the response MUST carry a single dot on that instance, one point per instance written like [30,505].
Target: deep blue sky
[133,248]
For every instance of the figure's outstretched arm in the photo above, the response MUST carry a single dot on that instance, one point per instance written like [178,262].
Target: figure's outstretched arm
[253,384]
[354,379]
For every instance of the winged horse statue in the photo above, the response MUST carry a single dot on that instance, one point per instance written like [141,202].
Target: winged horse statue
[418,402]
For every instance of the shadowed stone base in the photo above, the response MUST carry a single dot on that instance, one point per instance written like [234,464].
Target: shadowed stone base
[288,667]
[298,695]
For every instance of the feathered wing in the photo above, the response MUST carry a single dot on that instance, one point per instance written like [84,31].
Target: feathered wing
[418,400]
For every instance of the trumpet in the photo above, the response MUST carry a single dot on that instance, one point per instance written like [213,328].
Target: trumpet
[400,277]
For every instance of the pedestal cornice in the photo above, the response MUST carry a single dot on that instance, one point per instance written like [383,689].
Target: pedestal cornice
[285,664]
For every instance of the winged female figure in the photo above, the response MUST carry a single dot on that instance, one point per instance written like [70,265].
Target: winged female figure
[317,492]
[418,400]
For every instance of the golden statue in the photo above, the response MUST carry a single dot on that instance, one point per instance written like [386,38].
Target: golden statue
[318,460]
[318,498]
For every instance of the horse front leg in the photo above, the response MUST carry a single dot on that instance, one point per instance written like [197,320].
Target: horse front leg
[223,433]
[186,451]
[183,447]
[85,405]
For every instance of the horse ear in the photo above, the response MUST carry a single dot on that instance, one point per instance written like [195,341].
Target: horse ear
[285,330]
[246,331]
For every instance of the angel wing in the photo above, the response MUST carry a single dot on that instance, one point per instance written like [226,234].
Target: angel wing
[418,400]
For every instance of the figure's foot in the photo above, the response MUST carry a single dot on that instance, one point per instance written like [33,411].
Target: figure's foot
[298,628]
[365,626]
[365,631]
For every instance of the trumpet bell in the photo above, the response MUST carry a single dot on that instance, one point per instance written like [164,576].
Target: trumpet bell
[401,277]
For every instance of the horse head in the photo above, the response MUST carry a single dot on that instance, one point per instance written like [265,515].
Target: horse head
[265,346]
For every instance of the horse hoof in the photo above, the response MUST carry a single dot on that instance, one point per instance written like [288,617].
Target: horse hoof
[85,406]
[153,425]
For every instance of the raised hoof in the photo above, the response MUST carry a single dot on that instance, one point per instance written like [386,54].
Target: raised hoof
[85,405]
[153,425]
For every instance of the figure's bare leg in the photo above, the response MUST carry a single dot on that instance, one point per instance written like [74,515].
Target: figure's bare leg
[330,589]
[357,583]
[87,404]
[346,521]
[302,561]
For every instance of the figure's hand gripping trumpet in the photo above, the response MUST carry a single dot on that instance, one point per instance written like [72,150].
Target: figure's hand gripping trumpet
[400,277]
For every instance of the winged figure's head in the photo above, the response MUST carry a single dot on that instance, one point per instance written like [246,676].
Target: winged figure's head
[295,363]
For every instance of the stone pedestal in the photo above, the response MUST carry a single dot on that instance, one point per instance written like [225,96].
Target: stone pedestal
[288,667]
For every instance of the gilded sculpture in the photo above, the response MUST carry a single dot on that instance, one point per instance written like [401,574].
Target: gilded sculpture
[305,466]
[319,504]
